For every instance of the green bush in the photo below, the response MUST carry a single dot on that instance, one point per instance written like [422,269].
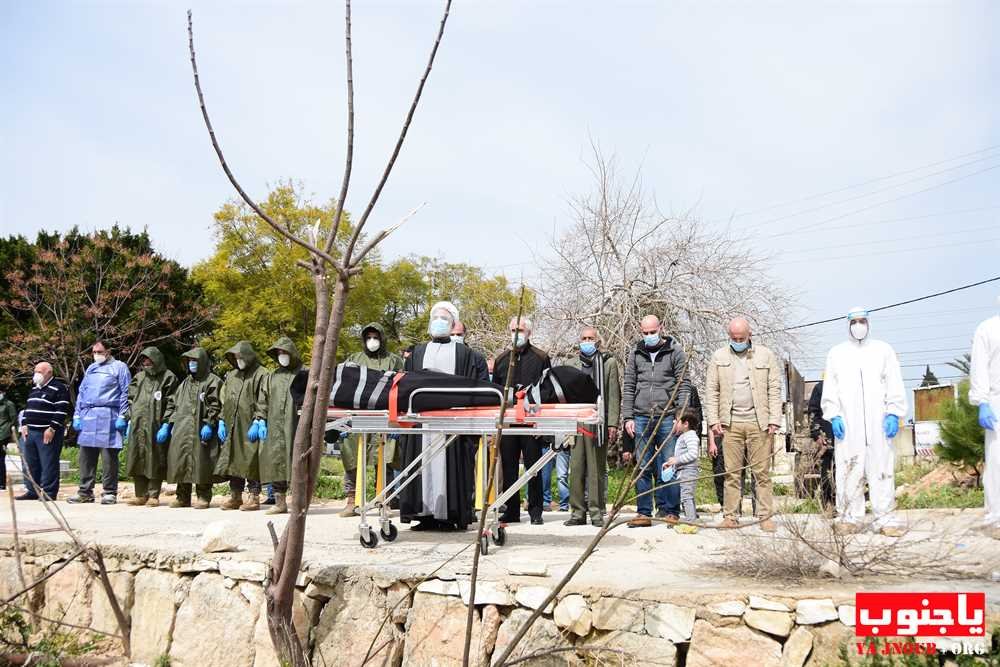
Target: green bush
[962,438]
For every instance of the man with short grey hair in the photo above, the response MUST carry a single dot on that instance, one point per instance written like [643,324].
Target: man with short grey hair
[530,363]
[743,404]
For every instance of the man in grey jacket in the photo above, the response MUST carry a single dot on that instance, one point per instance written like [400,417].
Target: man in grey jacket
[656,367]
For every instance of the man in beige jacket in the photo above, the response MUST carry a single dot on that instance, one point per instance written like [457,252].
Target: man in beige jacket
[743,403]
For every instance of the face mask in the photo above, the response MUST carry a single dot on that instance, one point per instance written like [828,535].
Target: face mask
[859,330]
[38,379]
[373,344]
[284,358]
[651,340]
[588,347]
[521,340]
[1,395]
[100,358]
[440,327]
[739,347]
[457,339]
[240,364]
[147,367]
[192,367]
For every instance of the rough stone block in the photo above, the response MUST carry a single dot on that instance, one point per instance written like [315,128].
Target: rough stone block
[776,623]
[757,602]
[102,616]
[815,611]
[435,633]
[220,536]
[573,614]
[157,594]
[738,645]
[210,602]
[619,614]
[636,649]
[243,570]
[351,622]
[797,648]
[532,597]
[68,595]
[543,634]
[669,621]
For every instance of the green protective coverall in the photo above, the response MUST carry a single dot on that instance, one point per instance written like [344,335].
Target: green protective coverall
[238,457]
[193,405]
[275,407]
[148,397]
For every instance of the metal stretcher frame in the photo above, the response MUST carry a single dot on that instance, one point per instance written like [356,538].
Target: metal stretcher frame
[564,421]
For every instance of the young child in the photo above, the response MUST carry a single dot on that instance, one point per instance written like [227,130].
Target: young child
[685,461]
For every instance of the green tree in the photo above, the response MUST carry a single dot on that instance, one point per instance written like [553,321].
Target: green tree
[66,290]
[930,379]
[962,438]
[962,364]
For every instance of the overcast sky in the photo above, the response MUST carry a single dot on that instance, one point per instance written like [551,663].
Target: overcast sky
[730,107]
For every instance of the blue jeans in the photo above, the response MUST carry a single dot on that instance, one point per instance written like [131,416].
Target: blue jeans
[668,498]
[43,462]
[561,465]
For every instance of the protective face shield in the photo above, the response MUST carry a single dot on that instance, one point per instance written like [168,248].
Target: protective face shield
[241,364]
[192,367]
[739,347]
[100,358]
[858,319]
[38,379]
[440,327]
[588,347]
[651,340]
[456,338]
[284,359]
[373,344]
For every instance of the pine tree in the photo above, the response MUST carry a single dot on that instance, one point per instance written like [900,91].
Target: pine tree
[962,438]
[929,378]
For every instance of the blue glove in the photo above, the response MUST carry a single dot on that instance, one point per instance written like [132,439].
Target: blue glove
[121,425]
[838,427]
[254,433]
[667,474]
[206,433]
[77,423]
[890,425]
[262,431]
[163,434]
[987,419]
[223,432]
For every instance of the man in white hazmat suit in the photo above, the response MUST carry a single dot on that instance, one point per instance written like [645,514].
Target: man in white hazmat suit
[984,391]
[864,401]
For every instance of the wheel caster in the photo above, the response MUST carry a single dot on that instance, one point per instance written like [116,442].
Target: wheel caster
[390,534]
[484,545]
[371,542]
[500,536]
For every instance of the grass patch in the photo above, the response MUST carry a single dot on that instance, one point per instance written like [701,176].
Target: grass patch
[941,496]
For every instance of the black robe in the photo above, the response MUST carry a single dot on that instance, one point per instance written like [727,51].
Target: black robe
[460,456]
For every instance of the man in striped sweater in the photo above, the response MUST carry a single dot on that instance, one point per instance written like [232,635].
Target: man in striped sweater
[42,425]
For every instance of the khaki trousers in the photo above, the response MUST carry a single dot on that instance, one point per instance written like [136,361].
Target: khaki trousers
[588,466]
[744,443]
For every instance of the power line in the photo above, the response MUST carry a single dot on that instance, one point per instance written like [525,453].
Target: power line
[911,237]
[873,223]
[880,253]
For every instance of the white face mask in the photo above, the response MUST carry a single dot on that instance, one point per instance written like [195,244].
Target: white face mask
[38,379]
[520,340]
[859,330]
[455,338]
[100,358]
[373,344]
[241,364]
[284,358]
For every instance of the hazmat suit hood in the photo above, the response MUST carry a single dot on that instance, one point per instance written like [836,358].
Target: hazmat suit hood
[201,356]
[159,363]
[245,350]
[285,344]
[377,328]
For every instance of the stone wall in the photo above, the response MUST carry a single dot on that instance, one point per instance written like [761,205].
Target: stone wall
[210,611]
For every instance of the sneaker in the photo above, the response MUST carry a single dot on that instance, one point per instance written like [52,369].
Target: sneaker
[79,500]
[640,521]
[672,519]
[564,509]
[26,496]
[108,499]
[729,522]
[575,521]
[767,525]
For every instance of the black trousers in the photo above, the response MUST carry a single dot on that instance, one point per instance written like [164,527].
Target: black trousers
[88,470]
[512,448]
[237,484]
[827,495]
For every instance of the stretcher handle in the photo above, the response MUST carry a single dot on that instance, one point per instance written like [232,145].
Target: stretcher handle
[451,390]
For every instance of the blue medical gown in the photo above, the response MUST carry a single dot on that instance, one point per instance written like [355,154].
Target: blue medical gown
[102,396]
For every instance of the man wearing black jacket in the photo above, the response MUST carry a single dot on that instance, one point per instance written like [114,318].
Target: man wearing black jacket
[529,366]
[821,431]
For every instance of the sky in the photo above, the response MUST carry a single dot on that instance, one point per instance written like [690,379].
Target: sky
[856,143]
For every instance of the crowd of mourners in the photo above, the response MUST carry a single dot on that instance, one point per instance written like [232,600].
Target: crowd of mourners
[199,429]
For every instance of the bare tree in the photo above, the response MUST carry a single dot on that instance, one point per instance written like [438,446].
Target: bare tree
[344,262]
[621,258]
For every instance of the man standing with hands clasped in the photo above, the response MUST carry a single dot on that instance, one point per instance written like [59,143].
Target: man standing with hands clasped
[743,404]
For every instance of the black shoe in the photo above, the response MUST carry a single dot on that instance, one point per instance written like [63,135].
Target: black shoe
[575,521]
[510,519]
[79,500]
[536,521]
[599,522]
[426,524]
[26,496]
[394,503]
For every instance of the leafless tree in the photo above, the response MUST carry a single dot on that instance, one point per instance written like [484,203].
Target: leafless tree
[344,262]
[621,258]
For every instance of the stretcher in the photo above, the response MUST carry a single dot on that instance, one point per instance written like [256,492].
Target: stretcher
[562,421]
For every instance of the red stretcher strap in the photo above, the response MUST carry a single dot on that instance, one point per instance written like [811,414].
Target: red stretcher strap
[393,400]
[520,410]
[582,431]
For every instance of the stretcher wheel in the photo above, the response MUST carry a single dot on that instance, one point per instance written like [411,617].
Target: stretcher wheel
[390,534]
[500,536]
[371,542]
[484,545]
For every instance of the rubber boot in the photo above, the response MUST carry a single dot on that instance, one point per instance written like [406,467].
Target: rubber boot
[348,510]
[252,504]
[154,501]
[234,501]
[280,506]
[138,501]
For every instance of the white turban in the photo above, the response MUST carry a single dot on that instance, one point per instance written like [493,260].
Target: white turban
[448,306]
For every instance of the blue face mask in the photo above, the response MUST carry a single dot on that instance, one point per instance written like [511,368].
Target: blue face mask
[651,340]
[739,347]
[193,367]
[440,328]
[588,348]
